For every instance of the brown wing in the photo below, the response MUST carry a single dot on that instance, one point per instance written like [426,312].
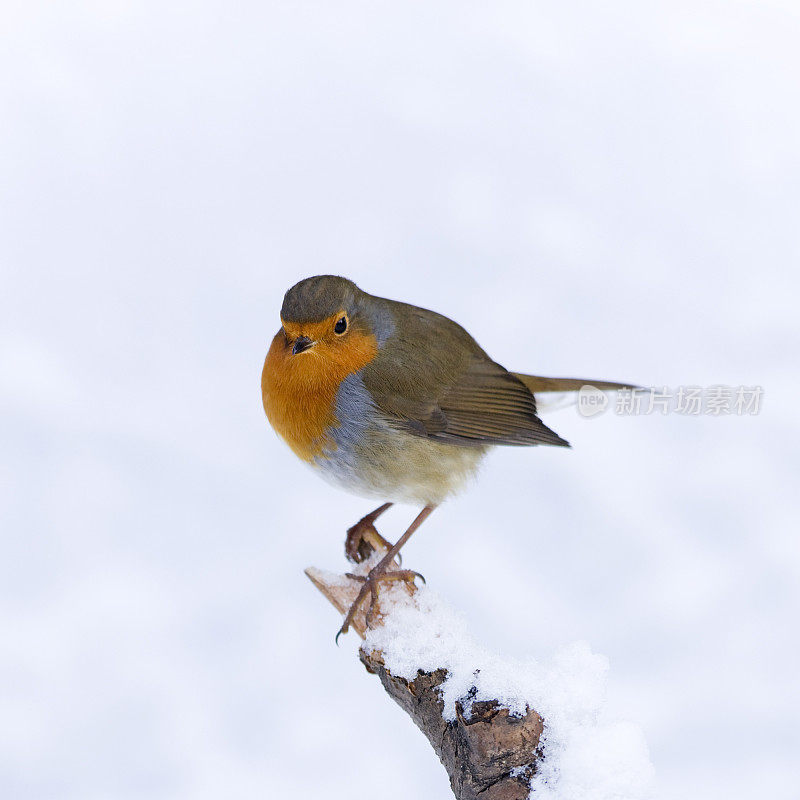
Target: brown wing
[433,380]
[485,404]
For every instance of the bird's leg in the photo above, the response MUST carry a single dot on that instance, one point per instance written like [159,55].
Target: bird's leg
[381,572]
[363,537]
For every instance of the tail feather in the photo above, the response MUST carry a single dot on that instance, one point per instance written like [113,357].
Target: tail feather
[537,383]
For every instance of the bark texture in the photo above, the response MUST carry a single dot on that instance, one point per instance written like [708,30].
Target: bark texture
[487,753]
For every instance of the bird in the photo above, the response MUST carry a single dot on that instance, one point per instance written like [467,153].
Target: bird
[390,400]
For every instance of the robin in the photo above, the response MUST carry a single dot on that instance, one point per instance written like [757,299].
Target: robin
[390,400]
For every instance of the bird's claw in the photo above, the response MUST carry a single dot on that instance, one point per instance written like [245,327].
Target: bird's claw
[363,538]
[370,586]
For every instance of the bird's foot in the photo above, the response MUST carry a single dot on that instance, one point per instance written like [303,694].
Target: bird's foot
[363,538]
[370,589]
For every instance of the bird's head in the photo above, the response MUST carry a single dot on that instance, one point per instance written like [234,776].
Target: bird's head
[329,318]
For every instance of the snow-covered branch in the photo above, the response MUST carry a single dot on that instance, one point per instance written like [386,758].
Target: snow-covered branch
[504,729]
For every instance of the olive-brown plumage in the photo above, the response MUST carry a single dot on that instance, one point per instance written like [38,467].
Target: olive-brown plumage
[391,400]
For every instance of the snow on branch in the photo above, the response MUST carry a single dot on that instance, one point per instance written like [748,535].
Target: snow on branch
[504,729]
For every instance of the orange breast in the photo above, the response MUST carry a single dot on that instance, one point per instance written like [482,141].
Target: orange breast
[299,391]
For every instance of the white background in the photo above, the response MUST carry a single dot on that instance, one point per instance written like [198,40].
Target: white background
[604,190]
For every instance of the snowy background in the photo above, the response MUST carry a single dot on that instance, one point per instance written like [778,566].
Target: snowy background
[607,190]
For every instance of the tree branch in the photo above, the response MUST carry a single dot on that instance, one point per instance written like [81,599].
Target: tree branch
[488,752]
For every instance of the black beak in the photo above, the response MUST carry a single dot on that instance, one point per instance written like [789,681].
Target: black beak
[301,344]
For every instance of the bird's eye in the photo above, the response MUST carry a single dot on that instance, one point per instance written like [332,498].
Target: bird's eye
[341,325]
